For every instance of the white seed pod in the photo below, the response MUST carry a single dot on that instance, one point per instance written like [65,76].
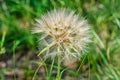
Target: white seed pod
[63,33]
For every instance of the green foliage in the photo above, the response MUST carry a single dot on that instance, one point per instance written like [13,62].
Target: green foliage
[17,18]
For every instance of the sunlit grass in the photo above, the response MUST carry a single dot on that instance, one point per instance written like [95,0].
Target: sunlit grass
[102,59]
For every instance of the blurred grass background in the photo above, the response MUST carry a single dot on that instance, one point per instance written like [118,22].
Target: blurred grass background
[18,47]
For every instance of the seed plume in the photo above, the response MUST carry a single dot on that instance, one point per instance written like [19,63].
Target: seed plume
[63,33]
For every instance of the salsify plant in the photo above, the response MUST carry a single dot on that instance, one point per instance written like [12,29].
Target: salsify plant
[63,33]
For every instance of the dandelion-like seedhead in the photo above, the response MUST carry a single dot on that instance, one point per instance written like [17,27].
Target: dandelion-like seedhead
[63,33]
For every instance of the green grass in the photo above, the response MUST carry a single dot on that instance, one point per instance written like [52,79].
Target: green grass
[17,41]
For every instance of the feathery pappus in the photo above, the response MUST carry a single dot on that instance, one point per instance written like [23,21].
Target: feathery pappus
[63,33]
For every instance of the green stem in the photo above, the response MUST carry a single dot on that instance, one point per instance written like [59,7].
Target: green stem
[89,67]
[3,39]
[58,69]
[36,72]
[81,64]
[51,68]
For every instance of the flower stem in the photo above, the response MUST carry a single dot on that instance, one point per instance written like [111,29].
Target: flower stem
[58,67]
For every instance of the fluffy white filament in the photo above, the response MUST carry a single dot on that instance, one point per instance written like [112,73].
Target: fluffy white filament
[63,34]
